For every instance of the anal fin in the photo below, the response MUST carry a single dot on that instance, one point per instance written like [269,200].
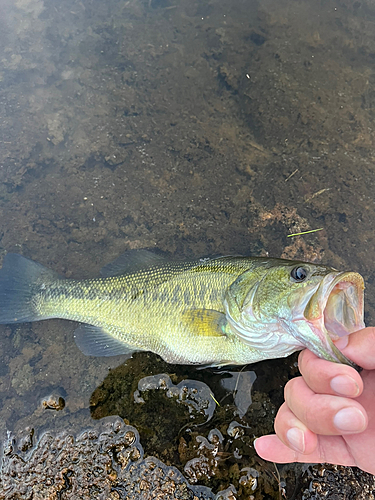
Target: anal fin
[95,341]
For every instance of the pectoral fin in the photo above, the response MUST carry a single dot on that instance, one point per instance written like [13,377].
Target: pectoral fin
[94,341]
[205,322]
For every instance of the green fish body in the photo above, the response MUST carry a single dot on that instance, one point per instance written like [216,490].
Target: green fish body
[226,310]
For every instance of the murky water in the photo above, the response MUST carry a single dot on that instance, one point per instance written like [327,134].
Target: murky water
[199,128]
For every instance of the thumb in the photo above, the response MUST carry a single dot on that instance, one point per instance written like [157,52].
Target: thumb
[360,347]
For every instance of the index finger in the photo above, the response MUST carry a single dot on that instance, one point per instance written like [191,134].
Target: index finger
[330,449]
[326,377]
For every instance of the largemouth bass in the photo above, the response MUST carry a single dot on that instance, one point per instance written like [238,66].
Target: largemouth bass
[226,310]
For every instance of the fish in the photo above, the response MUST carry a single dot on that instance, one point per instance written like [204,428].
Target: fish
[228,310]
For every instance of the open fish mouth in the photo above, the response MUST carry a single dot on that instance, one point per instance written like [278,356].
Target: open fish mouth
[336,309]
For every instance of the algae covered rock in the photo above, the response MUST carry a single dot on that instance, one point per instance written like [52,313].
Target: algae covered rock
[105,462]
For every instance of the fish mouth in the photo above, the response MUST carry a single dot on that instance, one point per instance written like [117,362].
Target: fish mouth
[336,310]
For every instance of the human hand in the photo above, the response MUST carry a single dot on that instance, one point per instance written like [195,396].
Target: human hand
[329,412]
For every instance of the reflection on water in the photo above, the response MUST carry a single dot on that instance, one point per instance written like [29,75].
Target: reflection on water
[240,385]
[200,128]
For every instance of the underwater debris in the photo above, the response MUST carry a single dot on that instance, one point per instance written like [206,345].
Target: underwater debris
[105,462]
[240,383]
[305,232]
[250,478]
[205,465]
[337,481]
[194,394]
[228,494]
[54,402]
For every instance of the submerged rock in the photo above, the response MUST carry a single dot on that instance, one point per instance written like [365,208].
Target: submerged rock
[105,463]
[336,481]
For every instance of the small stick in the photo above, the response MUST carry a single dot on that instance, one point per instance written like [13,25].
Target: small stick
[305,232]
[212,396]
[291,175]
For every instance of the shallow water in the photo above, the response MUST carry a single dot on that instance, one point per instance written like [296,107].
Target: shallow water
[199,128]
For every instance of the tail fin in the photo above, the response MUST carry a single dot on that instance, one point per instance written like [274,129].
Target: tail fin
[20,280]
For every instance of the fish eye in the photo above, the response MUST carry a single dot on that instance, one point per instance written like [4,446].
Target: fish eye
[299,274]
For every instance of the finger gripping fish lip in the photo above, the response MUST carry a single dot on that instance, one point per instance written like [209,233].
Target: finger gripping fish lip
[338,304]
[336,309]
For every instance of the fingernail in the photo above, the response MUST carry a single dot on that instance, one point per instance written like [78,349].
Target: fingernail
[350,420]
[345,386]
[296,439]
[342,342]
